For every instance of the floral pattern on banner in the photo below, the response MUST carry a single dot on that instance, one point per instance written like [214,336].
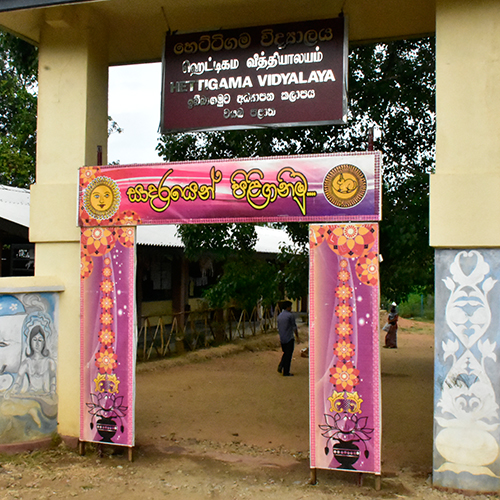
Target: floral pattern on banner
[98,241]
[367,269]
[87,175]
[106,405]
[346,430]
[350,240]
[317,235]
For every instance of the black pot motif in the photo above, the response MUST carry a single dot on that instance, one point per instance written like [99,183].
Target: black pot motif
[106,428]
[346,453]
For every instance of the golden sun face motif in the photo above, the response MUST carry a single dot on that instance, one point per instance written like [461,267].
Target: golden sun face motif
[101,198]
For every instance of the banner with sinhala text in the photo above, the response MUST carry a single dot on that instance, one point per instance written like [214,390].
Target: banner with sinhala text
[341,187]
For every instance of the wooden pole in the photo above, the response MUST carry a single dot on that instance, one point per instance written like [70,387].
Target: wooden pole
[313,476]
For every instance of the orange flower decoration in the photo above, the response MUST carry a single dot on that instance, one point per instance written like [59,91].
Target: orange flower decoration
[126,236]
[344,376]
[126,218]
[351,240]
[107,286]
[343,329]
[106,318]
[343,349]
[106,336]
[107,272]
[106,303]
[98,240]
[343,292]
[86,266]
[344,275]
[105,360]
[88,174]
[343,311]
[367,269]
[316,236]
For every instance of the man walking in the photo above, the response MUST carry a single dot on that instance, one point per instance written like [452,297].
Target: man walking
[286,329]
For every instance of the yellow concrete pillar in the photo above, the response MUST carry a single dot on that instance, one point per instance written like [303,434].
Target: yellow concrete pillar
[465,205]
[72,123]
[465,218]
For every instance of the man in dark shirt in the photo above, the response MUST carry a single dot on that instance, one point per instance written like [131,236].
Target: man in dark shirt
[286,329]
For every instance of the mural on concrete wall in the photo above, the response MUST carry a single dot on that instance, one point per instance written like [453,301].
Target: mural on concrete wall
[466,430]
[28,362]
[344,348]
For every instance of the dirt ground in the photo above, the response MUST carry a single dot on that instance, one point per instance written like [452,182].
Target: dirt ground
[221,423]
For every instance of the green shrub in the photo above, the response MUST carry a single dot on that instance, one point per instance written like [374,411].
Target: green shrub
[417,305]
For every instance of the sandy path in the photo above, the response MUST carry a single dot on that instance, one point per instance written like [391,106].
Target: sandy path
[242,399]
[231,428]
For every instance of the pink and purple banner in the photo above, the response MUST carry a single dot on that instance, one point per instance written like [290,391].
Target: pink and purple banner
[341,187]
[107,335]
[345,420]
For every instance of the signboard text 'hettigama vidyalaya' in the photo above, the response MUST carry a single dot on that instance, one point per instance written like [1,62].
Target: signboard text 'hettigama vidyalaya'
[281,75]
[293,188]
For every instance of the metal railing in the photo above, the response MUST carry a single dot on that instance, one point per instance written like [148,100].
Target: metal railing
[191,330]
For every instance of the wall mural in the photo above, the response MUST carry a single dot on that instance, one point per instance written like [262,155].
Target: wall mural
[466,410]
[344,348]
[28,366]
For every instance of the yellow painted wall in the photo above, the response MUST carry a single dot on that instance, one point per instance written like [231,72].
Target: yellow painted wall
[465,205]
[72,122]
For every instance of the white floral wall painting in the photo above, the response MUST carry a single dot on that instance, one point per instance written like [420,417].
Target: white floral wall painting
[466,409]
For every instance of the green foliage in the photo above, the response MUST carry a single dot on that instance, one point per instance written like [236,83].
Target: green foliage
[417,305]
[396,89]
[113,127]
[391,89]
[220,241]
[245,281]
[294,271]
[18,100]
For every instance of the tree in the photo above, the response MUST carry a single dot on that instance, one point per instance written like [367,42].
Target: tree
[392,89]
[18,100]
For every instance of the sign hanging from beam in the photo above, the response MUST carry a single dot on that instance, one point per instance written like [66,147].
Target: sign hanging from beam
[341,187]
[267,76]
[6,5]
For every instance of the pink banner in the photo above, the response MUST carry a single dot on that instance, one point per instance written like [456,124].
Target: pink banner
[345,419]
[107,335]
[341,187]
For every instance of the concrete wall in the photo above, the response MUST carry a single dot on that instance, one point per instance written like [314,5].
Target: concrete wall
[72,122]
[464,200]
[465,215]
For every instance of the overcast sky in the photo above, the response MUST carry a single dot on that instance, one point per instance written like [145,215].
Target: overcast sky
[134,103]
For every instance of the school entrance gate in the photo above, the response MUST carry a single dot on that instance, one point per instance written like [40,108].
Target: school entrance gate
[335,189]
